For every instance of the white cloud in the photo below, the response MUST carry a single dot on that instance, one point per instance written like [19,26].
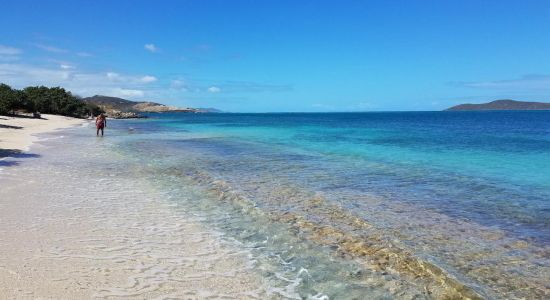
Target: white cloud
[52,49]
[120,92]
[178,84]
[525,83]
[148,79]
[7,50]
[23,75]
[84,54]
[78,82]
[8,53]
[251,87]
[151,48]
[214,89]
[130,79]
[66,67]
[112,75]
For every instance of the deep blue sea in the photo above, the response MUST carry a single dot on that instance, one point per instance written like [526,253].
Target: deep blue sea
[369,205]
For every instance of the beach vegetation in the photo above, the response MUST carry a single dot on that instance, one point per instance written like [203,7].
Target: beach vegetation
[41,99]
[8,99]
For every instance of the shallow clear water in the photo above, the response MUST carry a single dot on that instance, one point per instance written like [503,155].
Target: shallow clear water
[355,205]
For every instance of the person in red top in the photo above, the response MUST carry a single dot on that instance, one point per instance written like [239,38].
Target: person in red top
[100,123]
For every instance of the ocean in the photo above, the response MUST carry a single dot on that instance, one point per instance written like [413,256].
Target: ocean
[381,205]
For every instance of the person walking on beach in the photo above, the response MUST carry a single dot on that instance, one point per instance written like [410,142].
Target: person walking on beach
[100,123]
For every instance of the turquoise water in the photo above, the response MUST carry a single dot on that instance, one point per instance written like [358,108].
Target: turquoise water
[397,204]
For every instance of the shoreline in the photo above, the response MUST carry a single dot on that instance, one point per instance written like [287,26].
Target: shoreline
[86,203]
[66,232]
[17,134]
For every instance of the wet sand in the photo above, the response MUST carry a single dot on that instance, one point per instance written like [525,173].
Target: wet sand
[74,234]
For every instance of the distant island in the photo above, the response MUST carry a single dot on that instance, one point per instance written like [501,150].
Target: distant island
[504,104]
[119,108]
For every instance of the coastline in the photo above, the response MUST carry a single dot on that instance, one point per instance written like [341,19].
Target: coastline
[17,134]
[66,232]
[148,212]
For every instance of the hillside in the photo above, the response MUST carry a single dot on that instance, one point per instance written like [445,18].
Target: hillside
[130,109]
[502,105]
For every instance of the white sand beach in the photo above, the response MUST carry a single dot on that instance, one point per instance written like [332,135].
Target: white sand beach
[18,133]
[68,232]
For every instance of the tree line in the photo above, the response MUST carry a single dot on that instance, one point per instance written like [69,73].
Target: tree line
[41,99]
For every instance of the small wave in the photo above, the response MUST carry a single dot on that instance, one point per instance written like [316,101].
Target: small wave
[375,251]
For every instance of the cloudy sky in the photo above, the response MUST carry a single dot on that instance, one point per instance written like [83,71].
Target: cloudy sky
[282,55]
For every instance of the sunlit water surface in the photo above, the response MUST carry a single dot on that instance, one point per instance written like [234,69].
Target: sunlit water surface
[363,205]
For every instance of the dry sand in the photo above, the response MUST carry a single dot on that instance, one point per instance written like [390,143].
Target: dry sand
[19,133]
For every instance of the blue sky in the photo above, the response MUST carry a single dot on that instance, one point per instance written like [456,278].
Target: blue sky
[256,56]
